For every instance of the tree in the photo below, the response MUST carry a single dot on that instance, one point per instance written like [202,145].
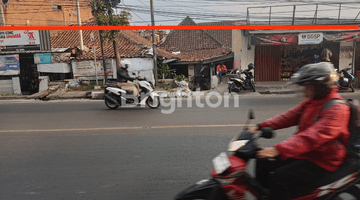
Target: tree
[104,16]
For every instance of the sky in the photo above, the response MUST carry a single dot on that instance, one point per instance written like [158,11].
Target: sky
[172,12]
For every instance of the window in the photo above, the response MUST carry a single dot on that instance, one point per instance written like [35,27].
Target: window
[56,6]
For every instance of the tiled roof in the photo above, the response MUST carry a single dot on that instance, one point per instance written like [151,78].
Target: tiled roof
[197,45]
[202,54]
[223,36]
[130,44]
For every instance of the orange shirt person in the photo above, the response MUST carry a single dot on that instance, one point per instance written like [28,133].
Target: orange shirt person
[221,70]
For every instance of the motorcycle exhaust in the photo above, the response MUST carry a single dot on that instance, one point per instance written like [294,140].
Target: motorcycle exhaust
[112,100]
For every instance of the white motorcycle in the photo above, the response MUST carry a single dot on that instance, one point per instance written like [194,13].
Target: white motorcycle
[115,96]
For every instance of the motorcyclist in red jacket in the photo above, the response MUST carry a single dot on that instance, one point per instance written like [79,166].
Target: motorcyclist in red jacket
[318,147]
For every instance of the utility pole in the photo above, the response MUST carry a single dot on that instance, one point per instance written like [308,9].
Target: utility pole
[79,23]
[103,56]
[102,52]
[154,41]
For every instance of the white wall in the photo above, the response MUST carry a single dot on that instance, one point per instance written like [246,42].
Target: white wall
[144,73]
[10,86]
[247,56]
[345,54]
[140,64]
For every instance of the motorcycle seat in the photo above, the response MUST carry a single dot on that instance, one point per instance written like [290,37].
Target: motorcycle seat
[112,84]
[344,170]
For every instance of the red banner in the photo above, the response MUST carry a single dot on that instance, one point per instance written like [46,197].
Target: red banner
[273,39]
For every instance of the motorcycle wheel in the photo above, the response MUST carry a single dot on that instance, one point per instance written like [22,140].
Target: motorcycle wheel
[253,86]
[346,196]
[233,88]
[109,104]
[230,88]
[153,103]
[352,87]
[352,192]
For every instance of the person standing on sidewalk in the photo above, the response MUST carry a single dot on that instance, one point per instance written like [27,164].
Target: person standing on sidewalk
[221,70]
[326,54]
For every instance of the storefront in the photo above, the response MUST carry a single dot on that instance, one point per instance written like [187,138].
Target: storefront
[277,57]
[18,72]
[54,65]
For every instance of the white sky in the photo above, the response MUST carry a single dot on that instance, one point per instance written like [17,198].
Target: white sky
[172,12]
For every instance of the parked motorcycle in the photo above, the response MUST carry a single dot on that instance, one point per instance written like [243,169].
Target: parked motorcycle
[229,179]
[346,79]
[240,84]
[115,96]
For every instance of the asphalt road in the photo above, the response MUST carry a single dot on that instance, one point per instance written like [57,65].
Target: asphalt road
[80,149]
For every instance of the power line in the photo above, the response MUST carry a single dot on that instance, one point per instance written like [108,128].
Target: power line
[132,12]
[37,11]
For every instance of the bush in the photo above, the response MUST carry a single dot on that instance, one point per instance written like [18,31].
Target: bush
[162,68]
[181,77]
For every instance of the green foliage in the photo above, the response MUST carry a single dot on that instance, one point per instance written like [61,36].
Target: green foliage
[181,77]
[163,68]
[104,13]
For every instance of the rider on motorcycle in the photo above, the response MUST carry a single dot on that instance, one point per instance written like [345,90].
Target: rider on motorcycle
[123,77]
[317,148]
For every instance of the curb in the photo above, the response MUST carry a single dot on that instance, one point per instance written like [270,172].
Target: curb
[100,95]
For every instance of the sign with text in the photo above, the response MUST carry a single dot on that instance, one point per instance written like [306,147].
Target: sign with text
[42,58]
[310,38]
[14,38]
[9,65]
[86,68]
[52,58]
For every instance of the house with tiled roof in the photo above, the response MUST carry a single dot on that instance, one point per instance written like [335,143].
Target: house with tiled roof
[132,47]
[200,51]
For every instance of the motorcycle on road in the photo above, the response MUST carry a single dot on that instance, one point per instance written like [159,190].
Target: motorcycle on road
[116,96]
[229,179]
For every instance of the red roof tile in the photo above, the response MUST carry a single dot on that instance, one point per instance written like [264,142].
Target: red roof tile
[130,44]
[196,45]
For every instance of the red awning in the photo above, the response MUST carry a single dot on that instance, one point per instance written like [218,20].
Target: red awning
[273,39]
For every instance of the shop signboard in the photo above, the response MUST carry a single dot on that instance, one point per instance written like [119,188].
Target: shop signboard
[86,68]
[15,38]
[42,58]
[9,65]
[310,38]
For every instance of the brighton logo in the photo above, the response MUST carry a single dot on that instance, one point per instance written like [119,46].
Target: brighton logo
[211,99]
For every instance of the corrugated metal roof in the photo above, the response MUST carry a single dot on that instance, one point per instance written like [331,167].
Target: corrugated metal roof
[255,32]
[59,49]
[21,52]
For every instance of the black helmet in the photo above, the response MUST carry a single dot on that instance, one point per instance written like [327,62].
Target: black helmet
[321,76]
[251,66]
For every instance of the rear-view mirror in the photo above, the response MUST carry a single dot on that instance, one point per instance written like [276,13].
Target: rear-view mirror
[251,114]
[267,133]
